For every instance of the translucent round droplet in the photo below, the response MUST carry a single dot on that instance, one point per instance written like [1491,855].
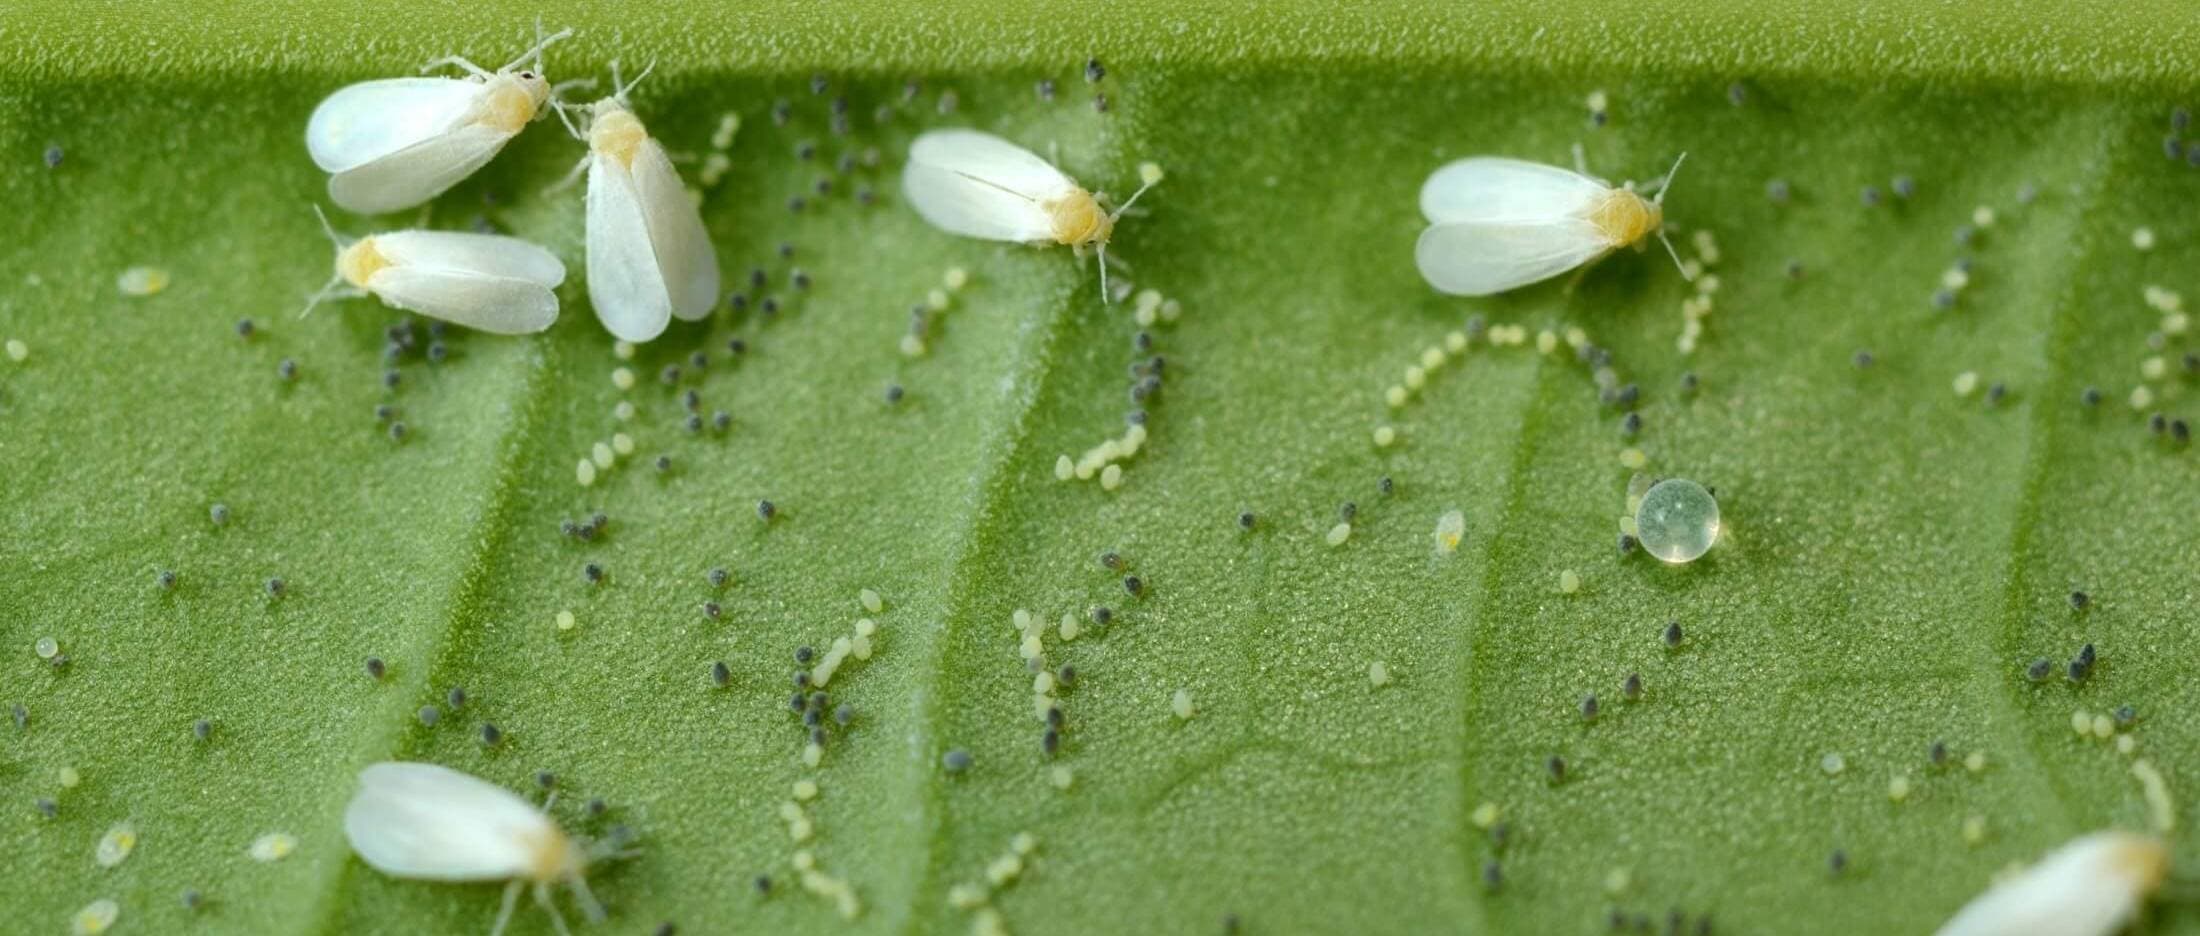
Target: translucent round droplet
[1678,520]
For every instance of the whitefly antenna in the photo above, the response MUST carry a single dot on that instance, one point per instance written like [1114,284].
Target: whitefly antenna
[542,42]
[1126,205]
[557,91]
[1149,175]
[619,90]
[334,278]
[1659,199]
[1675,254]
[330,229]
[1667,182]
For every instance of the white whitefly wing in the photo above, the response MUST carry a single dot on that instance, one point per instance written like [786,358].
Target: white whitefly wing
[426,821]
[499,305]
[1493,188]
[2089,887]
[624,282]
[489,282]
[418,172]
[979,185]
[364,122]
[468,252]
[676,235]
[1474,258]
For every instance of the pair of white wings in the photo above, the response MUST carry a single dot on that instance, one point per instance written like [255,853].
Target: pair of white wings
[1497,224]
[426,821]
[497,284]
[393,144]
[649,257]
[978,185]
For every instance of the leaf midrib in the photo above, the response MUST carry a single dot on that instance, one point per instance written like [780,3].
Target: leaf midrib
[490,530]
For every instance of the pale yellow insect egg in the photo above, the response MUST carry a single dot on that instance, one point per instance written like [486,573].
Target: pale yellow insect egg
[95,918]
[274,846]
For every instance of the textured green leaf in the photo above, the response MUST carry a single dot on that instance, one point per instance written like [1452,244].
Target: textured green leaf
[1895,554]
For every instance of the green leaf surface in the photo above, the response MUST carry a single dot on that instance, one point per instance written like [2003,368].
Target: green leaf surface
[1894,554]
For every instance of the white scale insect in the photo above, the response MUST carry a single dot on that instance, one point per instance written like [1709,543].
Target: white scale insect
[978,185]
[497,284]
[2091,886]
[429,822]
[392,144]
[1497,224]
[649,256]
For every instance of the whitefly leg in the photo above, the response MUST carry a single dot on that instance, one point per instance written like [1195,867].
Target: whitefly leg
[586,898]
[562,184]
[504,913]
[542,899]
